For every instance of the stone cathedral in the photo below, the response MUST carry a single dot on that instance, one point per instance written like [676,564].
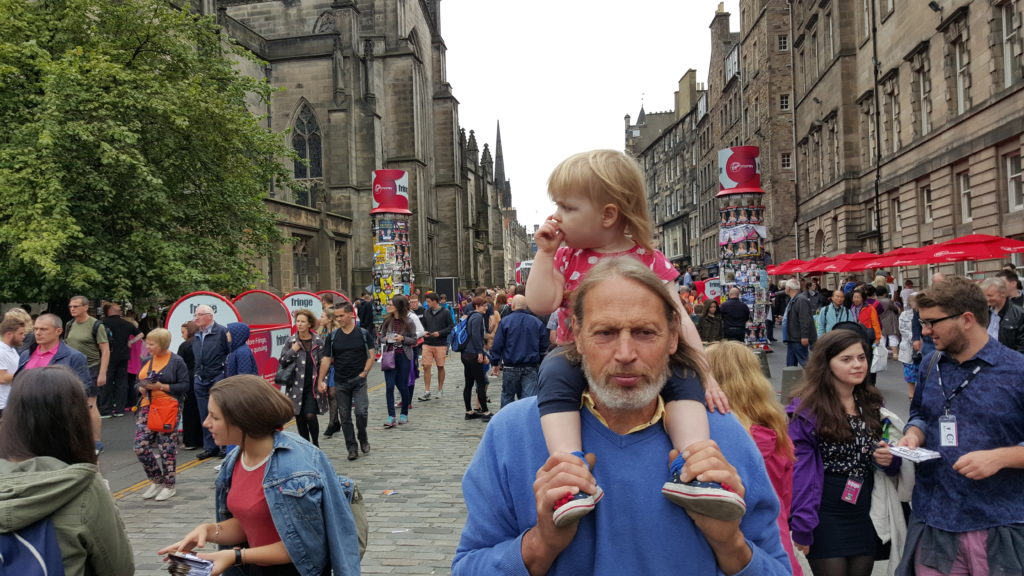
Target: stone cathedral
[361,86]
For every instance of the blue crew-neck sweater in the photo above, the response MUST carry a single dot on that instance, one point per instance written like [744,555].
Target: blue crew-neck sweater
[634,529]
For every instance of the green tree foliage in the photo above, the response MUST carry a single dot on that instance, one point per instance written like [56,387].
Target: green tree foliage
[130,164]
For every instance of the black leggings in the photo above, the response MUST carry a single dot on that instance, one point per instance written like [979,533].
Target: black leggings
[474,374]
[849,566]
[306,422]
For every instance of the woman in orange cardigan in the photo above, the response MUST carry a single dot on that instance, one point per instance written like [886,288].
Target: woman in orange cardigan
[866,314]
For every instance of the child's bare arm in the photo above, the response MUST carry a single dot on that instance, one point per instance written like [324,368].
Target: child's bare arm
[545,284]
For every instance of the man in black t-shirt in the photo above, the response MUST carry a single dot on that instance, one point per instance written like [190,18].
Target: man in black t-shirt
[349,350]
[115,397]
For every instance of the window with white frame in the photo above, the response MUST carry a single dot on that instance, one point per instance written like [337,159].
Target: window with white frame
[1011,43]
[961,63]
[783,101]
[1014,182]
[925,200]
[872,221]
[963,184]
[895,215]
[783,42]
[923,103]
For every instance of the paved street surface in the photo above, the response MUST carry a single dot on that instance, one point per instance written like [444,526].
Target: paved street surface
[412,531]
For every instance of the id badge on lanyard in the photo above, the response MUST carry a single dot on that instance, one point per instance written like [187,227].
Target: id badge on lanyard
[947,431]
[851,492]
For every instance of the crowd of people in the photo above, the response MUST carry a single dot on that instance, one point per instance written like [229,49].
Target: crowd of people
[631,414]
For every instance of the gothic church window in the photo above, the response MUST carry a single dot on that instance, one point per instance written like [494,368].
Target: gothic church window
[307,143]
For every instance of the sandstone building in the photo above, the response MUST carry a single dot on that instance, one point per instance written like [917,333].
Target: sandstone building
[362,86]
[920,148]
[745,103]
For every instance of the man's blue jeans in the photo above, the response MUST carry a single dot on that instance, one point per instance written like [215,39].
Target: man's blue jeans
[202,391]
[517,382]
[796,354]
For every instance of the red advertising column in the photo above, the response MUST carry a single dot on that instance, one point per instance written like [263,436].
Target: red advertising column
[742,233]
[392,251]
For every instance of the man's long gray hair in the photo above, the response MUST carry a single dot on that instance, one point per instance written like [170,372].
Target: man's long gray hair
[685,358]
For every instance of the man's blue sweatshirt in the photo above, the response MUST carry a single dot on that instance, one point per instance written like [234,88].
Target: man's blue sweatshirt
[634,529]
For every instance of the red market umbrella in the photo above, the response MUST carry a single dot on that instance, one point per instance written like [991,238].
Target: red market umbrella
[784,268]
[815,265]
[852,262]
[906,256]
[973,247]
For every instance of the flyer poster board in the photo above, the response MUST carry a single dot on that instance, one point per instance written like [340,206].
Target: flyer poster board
[296,301]
[184,310]
[267,345]
[268,317]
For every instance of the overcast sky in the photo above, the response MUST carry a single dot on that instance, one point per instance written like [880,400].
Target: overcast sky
[560,75]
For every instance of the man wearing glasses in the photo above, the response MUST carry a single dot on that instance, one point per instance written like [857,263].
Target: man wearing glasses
[211,348]
[967,503]
[88,335]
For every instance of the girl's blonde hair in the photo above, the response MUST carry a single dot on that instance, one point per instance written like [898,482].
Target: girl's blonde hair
[751,396]
[607,177]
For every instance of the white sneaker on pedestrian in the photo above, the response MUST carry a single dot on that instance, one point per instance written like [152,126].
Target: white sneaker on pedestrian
[166,493]
[152,491]
[440,394]
[217,468]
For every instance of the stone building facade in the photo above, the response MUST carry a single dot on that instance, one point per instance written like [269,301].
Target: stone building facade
[749,73]
[921,148]
[361,86]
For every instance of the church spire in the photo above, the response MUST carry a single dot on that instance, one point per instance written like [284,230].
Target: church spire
[504,186]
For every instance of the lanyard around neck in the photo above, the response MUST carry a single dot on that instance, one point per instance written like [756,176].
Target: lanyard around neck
[956,392]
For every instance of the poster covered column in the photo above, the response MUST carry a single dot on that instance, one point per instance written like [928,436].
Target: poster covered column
[392,252]
[742,234]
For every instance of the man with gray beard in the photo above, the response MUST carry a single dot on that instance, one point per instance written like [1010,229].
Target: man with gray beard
[626,346]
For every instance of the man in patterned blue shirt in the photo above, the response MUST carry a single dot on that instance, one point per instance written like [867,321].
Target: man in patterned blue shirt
[968,508]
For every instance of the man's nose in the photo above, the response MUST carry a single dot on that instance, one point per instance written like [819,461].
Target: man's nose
[625,348]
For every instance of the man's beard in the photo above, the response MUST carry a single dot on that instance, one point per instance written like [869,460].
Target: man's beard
[616,397]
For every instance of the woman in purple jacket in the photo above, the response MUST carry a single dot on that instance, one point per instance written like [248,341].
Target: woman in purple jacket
[836,428]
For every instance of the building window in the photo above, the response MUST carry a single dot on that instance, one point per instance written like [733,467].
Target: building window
[1010,27]
[865,18]
[300,264]
[830,47]
[961,62]
[925,199]
[872,220]
[963,183]
[897,222]
[892,113]
[783,42]
[921,87]
[786,160]
[783,101]
[306,141]
[1014,182]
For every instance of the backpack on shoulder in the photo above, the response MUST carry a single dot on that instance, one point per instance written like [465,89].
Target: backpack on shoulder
[31,550]
[459,335]
[95,329]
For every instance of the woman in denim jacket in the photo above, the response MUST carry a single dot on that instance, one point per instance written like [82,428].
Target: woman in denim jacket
[281,507]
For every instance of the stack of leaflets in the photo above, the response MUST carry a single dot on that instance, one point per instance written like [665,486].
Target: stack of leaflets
[914,454]
[188,565]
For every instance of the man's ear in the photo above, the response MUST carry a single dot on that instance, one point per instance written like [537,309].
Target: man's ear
[609,215]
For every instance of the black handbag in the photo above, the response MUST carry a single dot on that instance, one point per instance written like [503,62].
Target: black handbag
[285,375]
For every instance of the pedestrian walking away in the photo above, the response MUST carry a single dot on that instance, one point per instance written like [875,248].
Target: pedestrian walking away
[519,345]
